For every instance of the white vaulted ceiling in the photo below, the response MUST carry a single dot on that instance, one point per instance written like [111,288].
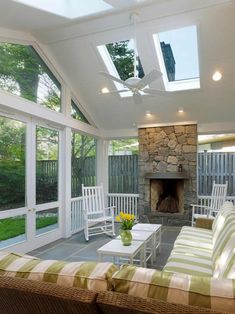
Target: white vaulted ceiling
[72,43]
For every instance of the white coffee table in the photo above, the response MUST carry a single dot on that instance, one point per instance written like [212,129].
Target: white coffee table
[115,248]
[156,228]
[147,237]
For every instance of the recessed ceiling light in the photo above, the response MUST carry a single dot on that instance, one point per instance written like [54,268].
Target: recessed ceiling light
[148,113]
[217,76]
[181,110]
[104,90]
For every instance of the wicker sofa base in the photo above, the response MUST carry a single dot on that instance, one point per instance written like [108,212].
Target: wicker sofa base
[23,296]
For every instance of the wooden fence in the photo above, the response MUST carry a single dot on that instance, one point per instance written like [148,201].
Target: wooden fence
[83,171]
[123,172]
[218,167]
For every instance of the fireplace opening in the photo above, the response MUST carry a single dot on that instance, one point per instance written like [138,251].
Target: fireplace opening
[167,195]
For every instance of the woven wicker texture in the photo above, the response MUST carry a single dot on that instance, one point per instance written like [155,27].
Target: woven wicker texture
[20,296]
[116,302]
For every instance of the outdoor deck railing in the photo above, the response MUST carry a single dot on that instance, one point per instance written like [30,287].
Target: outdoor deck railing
[126,203]
[77,219]
[205,199]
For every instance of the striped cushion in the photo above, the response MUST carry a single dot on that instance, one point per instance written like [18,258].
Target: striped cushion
[193,251]
[217,294]
[225,263]
[89,275]
[223,233]
[186,264]
[218,221]
[224,247]
[195,237]
[197,231]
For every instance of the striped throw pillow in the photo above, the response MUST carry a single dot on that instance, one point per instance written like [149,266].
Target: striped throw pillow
[224,240]
[88,275]
[219,219]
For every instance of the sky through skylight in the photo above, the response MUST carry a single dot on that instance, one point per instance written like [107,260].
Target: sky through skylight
[69,8]
[183,43]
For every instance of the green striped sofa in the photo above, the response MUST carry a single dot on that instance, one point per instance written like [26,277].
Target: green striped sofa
[200,270]
[207,253]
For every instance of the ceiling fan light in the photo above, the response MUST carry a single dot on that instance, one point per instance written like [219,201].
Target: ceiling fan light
[104,90]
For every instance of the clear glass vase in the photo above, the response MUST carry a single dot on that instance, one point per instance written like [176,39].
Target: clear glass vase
[126,237]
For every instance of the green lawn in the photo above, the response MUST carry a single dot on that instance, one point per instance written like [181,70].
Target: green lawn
[12,227]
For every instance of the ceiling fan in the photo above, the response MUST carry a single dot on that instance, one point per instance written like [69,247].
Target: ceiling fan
[136,85]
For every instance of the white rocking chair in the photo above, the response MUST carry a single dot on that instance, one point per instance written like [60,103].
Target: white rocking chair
[217,199]
[98,218]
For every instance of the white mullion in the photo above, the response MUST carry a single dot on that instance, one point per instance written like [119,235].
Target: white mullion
[31,179]
[46,206]
[9,213]
[66,101]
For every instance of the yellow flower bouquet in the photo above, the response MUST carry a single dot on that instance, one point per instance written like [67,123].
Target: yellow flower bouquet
[127,221]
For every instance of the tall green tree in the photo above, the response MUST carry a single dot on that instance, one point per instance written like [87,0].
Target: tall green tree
[18,65]
[21,70]
[83,151]
[128,145]
[123,59]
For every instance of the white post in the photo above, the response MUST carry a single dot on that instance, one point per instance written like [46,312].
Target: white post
[66,183]
[102,164]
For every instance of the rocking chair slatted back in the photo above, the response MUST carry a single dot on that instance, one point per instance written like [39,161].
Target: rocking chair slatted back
[218,195]
[93,199]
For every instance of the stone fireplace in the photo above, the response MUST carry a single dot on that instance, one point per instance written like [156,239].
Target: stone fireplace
[167,168]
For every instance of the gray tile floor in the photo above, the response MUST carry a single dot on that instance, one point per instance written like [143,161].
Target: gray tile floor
[76,248]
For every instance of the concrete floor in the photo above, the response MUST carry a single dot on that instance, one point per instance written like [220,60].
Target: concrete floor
[76,248]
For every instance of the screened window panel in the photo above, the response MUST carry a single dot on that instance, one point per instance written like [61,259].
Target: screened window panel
[12,163]
[83,162]
[24,73]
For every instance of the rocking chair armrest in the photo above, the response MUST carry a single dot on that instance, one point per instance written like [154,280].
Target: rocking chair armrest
[201,206]
[111,208]
[206,210]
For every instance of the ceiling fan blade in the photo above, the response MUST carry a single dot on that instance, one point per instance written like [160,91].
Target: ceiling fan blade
[115,91]
[113,78]
[149,78]
[154,92]
[137,98]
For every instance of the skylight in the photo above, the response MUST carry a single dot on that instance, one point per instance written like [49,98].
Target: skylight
[119,60]
[177,52]
[69,8]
